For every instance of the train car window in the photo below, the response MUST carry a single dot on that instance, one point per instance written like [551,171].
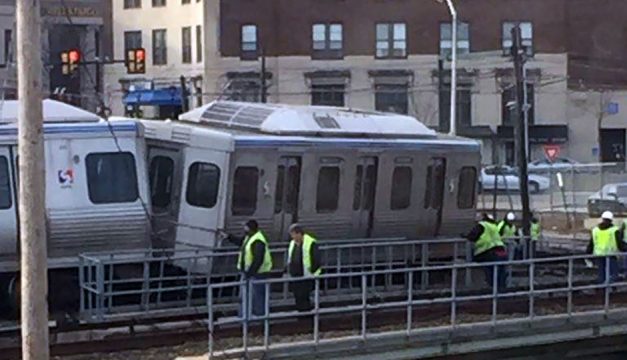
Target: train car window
[5,181]
[278,192]
[328,189]
[434,190]
[111,177]
[401,188]
[203,184]
[245,184]
[161,174]
[466,187]
[358,181]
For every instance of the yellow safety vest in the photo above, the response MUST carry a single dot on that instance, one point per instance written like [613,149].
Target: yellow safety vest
[489,239]
[247,253]
[510,230]
[536,231]
[604,241]
[308,242]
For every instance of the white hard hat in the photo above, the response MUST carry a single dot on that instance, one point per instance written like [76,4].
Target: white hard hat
[511,216]
[607,215]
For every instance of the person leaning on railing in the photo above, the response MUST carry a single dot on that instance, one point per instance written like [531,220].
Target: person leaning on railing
[254,263]
[489,247]
[607,241]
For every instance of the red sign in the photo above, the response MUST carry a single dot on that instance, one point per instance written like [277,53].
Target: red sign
[552,152]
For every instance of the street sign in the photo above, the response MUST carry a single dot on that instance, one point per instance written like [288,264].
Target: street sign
[552,152]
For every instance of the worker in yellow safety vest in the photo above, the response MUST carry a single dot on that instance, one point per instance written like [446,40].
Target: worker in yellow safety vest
[303,261]
[607,241]
[535,232]
[509,234]
[254,263]
[488,247]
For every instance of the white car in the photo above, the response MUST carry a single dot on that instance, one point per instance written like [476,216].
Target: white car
[506,178]
[545,165]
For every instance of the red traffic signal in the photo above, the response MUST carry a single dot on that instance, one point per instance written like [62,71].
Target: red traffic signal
[69,61]
[74,56]
[136,61]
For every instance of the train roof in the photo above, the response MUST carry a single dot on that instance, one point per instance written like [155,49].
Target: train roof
[241,118]
[54,112]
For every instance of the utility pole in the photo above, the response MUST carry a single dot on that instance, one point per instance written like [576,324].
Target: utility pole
[264,94]
[519,54]
[32,192]
[184,95]
[442,126]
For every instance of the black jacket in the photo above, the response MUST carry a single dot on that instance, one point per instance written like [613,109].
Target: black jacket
[620,233]
[259,251]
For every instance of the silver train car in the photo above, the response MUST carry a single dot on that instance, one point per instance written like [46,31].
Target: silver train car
[339,172]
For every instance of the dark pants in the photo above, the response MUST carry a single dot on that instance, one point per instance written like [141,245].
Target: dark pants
[302,294]
[601,263]
[494,255]
[256,299]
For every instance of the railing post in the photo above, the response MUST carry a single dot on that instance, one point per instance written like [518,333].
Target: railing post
[410,296]
[424,261]
[532,270]
[210,320]
[468,270]
[317,311]
[364,302]
[569,305]
[266,320]
[246,310]
[495,279]
[100,286]
[81,282]
[608,280]
[454,296]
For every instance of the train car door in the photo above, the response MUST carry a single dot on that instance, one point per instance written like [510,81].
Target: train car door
[434,192]
[286,195]
[363,196]
[8,204]
[164,172]
[204,190]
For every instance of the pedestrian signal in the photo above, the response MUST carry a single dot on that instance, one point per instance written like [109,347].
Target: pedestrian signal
[136,61]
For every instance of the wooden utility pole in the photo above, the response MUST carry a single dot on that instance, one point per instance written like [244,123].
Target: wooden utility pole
[32,193]
[519,54]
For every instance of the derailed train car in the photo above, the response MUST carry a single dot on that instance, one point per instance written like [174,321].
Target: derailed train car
[95,182]
[339,172]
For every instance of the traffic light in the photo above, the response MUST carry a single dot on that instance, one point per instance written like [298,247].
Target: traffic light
[69,61]
[136,61]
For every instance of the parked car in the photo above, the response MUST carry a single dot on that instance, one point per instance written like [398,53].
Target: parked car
[612,197]
[506,178]
[546,165]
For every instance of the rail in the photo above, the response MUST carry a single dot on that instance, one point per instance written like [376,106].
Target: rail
[147,283]
[413,310]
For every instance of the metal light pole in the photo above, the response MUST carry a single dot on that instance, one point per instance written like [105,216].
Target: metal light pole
[453,12]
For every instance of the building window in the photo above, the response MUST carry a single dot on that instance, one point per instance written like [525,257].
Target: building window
[463,114]
[400,197]
[111,177]
[158,3]
[161,174]
[328,189]
[463,39]
[526,31]
[198,43]
[186,42]
[159,47]
[245,183]
[327,95]
[249,42]
[391,98]
[391,40]
[132,4]
[248,90]
[5,184]
[508,105]
[203,184]
[466,187]
[132,40]
[327,41]
[8,46]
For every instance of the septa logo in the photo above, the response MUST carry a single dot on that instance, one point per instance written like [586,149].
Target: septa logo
[66,177]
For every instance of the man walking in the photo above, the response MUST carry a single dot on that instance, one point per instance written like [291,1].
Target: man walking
[607,241]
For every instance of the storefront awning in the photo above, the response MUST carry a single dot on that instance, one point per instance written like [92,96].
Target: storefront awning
[158,97]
